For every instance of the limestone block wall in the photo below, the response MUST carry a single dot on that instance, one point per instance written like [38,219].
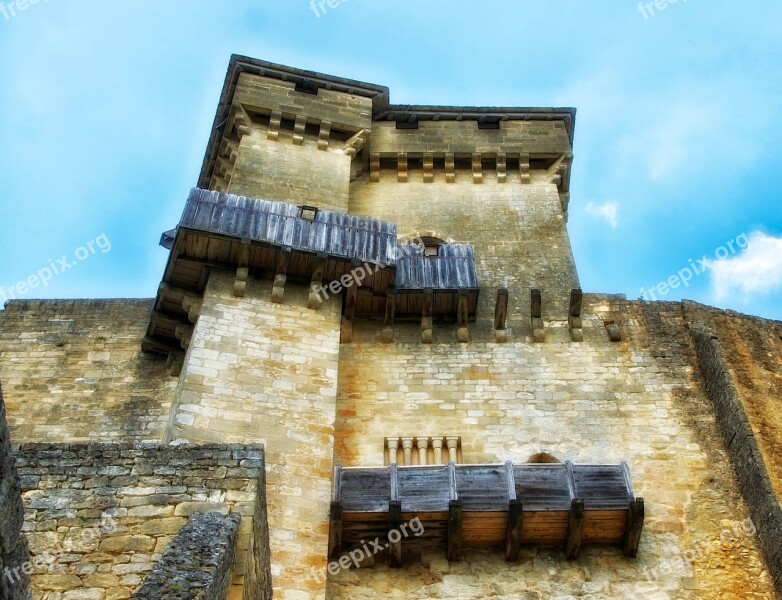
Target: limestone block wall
[73,370]
[292,144]
[262,372]
[99,516]
[303,175]
[642,400]
[518,232]
[197,562]
[13,543]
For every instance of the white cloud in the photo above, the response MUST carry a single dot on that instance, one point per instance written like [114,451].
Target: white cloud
[756,270]
[607,211]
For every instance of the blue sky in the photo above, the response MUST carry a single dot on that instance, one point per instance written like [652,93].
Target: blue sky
[105,111]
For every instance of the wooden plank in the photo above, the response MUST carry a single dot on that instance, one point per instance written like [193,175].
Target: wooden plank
[394,524]
[501,309]
[514,530]
[346,327]
[454,552]
[537,304]
[575,529]
[635,523]
[335,529]
[337,493]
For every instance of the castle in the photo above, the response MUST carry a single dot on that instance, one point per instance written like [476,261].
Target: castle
[369,371]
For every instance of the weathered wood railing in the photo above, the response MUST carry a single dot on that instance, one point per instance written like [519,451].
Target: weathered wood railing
[475,506]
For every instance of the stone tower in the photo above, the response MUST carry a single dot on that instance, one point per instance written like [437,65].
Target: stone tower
[370,329]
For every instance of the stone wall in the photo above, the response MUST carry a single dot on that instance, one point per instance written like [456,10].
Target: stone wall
[14,577]
[197,562]
[744,447]
[518,232]
[73,370]
[260,372]
[99,516]
[640,400]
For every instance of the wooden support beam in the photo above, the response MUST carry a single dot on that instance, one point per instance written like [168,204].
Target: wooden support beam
[324,135]
[477,168]
[335,529]
[635,523]
[538,327]
[524,169]
[374,167]
[454,530]
[450,168]
[428,167]
[575,529]
[316,282]
[281,275]
[394,520]
[149,344]
[513,535]
[426,317]
[298,130]
[574,315]
[335,515]
[502,167]
[462,331]
[500,316]
[388,323]
[401,167]
[346,329]
[275,120]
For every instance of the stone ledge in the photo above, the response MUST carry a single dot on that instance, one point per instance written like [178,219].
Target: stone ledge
[742,447]
[197,563]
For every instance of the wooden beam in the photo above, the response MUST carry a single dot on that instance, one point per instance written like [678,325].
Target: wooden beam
[501,309]
[513,535]
[462,331]
[454,530]
[574,315]
[394,521]
[335,529]
[575,529]
[281,275]
[538,328]
[316,282]
[388,323]
[346,328]
[426,317]
[149,344]
[635,523]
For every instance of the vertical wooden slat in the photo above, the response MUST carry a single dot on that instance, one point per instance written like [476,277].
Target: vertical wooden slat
[394,520]
[454,530]
[571,480]
[633,527]
[513,535]
[575,529]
